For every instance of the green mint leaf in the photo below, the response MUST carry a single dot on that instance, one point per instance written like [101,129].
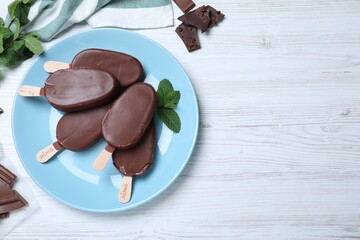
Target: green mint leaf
[24,12]
[10,58]
[164,87]
[17,28]
[2,22]
[33,44]
[5,32]
[170,118]
[19,46]
[14,9]
[1,44]
[26,1]
[34,34]
[18,9]
[171,99]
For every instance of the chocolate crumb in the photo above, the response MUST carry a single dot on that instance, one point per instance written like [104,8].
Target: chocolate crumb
[1,111]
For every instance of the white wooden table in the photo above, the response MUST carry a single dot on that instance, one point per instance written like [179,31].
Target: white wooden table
[278,153]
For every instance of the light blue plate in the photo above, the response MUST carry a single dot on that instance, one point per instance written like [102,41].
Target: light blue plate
[70,177]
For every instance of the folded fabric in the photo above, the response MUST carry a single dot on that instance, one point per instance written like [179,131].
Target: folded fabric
[50,17]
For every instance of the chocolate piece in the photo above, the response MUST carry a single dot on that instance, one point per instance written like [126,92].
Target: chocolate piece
[125,123]
[7,176]
[71,90]
[188,35]
[79,130]
[215,16]
[198,18]
[5,190]
[4,215]
[1,110]
[185,5]
[16,202]
[125,68]
[136,160]
[9,199]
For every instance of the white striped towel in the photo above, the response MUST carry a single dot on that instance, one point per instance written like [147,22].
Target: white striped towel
[50,17]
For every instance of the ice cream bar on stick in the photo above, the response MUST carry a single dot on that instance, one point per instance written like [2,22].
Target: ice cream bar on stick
[134,161]
[75,131]
[126,121]
[74,90]
[125,68]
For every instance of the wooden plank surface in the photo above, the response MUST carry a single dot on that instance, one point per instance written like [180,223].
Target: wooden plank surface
[278,153]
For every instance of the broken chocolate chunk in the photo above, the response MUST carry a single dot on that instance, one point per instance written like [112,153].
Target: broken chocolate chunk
[215,16]
[1,111]
[188,35]
[7,176]
[12,202]
[199,18]
[5,190]
[9,199]
[4,215]
[185,5]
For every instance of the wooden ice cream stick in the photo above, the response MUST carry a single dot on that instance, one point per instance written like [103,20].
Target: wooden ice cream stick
[53,66]
[31,91]
[103,158]
[125,189]
[48,152]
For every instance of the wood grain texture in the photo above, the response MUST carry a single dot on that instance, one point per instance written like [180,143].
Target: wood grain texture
[278,151]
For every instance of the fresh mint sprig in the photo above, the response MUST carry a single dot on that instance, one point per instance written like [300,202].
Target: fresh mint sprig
[16,47]
[167,100]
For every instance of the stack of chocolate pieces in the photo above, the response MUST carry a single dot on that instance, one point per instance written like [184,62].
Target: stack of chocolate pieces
[10,199]
[204,18]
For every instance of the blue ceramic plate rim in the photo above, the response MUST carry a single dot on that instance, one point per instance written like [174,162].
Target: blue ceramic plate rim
[193,142]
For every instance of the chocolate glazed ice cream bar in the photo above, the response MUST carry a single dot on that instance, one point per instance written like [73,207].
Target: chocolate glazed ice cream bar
[125,68]
[75,131]
[134,161]
[74,90]
[126,121]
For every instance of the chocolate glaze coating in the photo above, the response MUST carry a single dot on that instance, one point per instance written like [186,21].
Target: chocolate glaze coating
[73,90]
[125,123]
[125,68]
[138,159]
[79,130]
